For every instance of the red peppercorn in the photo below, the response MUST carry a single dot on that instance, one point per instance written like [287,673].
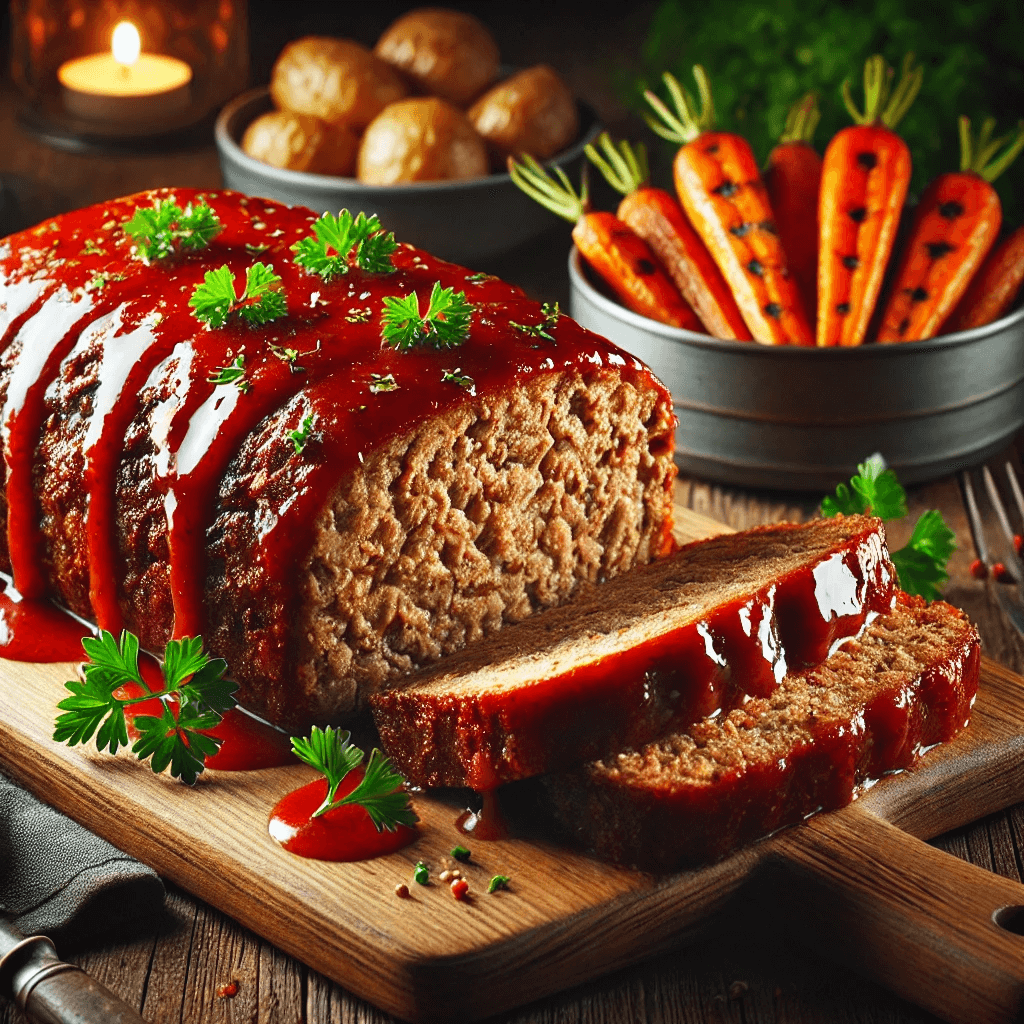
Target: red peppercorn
[1001,573]
[978,569]
[460,888]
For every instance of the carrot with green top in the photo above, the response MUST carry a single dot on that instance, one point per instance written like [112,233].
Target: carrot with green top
[793,179]
[623,259]
[659,220]
[865,175]
[993,289]
[721,190]
[955,225]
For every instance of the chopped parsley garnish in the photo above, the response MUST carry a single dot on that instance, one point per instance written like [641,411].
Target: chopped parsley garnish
[194,698]
[460,853]
[261,301]
[444,325]
[300,436]
[921,562]
[165,228]
[498,882]
[459,378]
[380,791]
[359,316]
[382,382]
[233,373]
[551,313]
[480,278]
[421,873]
[343,234]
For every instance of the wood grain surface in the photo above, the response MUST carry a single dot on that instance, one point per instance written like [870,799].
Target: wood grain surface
[568,917]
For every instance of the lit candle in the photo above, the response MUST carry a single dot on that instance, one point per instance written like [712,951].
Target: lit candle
[125,84]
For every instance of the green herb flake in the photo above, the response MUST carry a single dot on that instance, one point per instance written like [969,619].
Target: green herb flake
[300,436]
[498,882]
[256,250]
[93,248]
[382,382]
[444,325]
[460,853]
[345,235]
[214,301]
[921,562]
[165,229]
[359,316]
[177,738]
[421,873]
[233,373]
[458,378]
[480,278]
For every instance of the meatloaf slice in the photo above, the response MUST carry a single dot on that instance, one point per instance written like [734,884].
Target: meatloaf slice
[664,645]
[695,795]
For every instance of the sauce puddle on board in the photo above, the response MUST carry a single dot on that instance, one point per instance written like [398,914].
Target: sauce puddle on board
[488,823]
[37,630]
[344,834]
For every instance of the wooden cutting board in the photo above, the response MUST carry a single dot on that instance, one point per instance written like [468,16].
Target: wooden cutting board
[858,882]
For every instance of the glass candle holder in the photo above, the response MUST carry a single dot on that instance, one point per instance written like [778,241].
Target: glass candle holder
[113,73]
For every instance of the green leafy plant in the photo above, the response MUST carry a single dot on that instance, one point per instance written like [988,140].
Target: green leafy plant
[444,325]
[921,562]
[214,301]
[763,55]
[194,698]
[380,791]
[327,254]
[165,229]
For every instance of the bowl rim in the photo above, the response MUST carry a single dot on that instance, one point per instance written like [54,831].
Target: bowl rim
[609,307]
[231,149]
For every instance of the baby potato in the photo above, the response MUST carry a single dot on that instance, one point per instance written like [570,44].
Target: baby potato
[444,53]
[302,143]
[420,139]
[531,112]
[337,80]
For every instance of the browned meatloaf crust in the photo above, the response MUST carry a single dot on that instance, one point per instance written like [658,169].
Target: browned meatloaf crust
[663,646]
[436,495]
[695,795]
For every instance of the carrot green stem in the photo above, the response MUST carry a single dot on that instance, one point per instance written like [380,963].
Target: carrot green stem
[557,196]
[801,121]
[977,154]
[624,167]
[883,105]
[684,122]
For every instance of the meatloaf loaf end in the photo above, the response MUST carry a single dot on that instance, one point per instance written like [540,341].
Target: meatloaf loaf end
[698,794]
[328,511]
[699,631]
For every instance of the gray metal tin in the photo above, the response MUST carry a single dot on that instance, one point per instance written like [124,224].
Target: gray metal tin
[802,418]
[461,221]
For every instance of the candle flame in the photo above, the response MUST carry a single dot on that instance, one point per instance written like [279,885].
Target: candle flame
[125,43]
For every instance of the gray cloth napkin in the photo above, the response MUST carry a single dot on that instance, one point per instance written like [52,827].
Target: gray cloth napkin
[60,880]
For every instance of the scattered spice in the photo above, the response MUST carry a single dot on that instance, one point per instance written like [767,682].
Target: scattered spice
[402,891]
[229,990]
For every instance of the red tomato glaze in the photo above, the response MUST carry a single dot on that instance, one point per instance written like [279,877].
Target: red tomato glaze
[37,630]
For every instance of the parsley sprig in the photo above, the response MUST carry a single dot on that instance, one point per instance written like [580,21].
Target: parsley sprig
[921,562]
[380,790]
[444,325]
[261,301]
[232,373]
[165,229]
[195,697]
[344,234]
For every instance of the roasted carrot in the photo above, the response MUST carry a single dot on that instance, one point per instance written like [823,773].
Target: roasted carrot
[954,227]
[993,289]
[659,220]
[793,178]
[623,259]
[864,179]
[720,188]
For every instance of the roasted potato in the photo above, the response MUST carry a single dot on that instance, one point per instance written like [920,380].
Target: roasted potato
[531,112]
[302,143]
[337,80]
[444,53]
[420,139]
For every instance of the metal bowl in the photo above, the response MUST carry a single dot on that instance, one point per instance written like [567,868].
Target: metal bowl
[802,418]
[462,221]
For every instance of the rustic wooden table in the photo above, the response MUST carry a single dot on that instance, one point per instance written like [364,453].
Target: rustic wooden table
[198,965]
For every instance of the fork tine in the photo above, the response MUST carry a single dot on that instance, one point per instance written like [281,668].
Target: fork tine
[1004,521]
[1018,497]
[974,518]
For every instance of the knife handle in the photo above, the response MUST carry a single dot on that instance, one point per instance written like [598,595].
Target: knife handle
[54,992]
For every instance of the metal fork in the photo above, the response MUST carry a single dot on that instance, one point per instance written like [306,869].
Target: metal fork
[1001,560]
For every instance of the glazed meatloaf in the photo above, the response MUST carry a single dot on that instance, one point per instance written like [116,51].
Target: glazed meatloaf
[694,795]
[695,633]
[327,511]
